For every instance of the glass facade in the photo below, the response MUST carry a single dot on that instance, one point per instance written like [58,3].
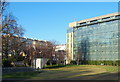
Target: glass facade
[97,40]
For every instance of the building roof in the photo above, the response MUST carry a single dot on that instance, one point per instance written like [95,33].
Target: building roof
[99,17]
[72,24]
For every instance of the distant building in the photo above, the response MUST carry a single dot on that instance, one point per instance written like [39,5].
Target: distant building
[60,47]
[60,54]
[28,47]
[94,39]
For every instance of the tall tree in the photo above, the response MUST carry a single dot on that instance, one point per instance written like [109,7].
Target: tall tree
[3,5]
[10,29]
[54,55]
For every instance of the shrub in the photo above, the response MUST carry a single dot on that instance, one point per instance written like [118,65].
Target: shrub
[100,62]
[7,63]
[118,63]
[51,62]
[73,62]
[20,58]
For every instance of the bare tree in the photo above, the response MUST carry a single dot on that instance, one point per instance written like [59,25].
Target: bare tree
[78,59]
[55,54]
[40,49]
[10,29]
[3,5]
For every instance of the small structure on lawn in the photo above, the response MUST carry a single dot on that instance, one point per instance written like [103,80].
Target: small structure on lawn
[39,63]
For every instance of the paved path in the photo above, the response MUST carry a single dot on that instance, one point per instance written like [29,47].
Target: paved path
[16,69]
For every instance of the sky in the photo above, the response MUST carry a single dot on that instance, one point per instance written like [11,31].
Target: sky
[49,20]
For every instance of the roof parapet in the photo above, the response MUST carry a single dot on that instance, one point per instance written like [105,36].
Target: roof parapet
[99,17]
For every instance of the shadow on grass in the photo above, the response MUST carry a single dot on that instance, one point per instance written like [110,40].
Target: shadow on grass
[106,76]
[101,76]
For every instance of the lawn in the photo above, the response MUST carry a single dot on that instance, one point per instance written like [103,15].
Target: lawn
[64,72]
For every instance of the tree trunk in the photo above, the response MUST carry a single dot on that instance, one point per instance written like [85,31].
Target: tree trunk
[77,62]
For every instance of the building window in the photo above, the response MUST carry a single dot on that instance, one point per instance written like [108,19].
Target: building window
[83,23]
[93,21]
[118,16]
[106,18]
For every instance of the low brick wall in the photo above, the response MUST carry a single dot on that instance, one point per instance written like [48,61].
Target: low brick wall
[16,69]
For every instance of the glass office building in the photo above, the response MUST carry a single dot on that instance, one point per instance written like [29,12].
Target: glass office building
[96,38]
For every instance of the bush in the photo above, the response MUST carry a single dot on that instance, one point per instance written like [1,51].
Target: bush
[51,62]
[90,62]
[27,62]
[73,62]
[7,63]
[20,58]
[118,63]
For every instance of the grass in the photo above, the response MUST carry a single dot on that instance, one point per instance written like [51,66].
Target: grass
[110,68]
[63,72]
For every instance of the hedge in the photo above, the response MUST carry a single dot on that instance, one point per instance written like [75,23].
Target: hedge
[6,63]
[112,63]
